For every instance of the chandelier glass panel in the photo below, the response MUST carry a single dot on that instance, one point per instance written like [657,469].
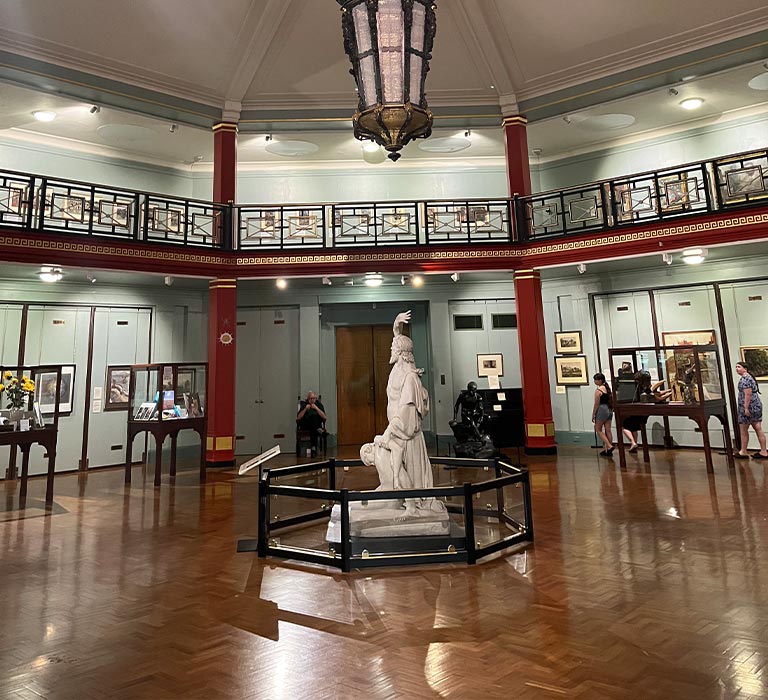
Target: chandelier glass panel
[389,43]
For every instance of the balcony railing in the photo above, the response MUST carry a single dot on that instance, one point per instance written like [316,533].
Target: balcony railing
[41,204]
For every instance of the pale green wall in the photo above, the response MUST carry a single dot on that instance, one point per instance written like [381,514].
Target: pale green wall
[652,154]
[179,333]
[86,167]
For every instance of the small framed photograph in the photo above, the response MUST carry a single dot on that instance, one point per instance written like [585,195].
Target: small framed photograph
[185,383]
[571,371]
[264,226]
[118,379]
[748,180]
[145,411]
[490,366]
[756,358]
[677,338]
[45,391]
[568,343]
[68,208]
[10,200]
[114,214]
[192,405]
[166,220]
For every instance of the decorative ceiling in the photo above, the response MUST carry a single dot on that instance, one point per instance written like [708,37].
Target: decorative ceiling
[279,67]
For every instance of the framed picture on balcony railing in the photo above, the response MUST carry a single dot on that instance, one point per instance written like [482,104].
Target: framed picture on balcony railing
[206,227]
[583,210]
[111,213]
[302,226]
[679,191]
[397,223]
[352,224]
[638,199]
[10,200]
[67,208]
[164,220]
[744,181]
[443,220]
[475,214]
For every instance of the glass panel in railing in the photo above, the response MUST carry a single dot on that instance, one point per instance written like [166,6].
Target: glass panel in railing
[281,227]
[114,212]
[15,199]
[65,206]
[742,179]
[301,523]
[390,223]
[468,221]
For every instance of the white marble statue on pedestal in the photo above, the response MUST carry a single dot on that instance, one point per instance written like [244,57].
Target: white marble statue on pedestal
[399,455]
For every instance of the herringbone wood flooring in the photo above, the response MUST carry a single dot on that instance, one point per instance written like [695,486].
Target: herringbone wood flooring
[641,584]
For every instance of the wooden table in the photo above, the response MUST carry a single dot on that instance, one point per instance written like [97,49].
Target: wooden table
[161,429]
[24,439]
[699,413]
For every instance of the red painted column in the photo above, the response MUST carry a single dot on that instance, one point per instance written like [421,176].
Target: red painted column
[518,166]
[222,316]
[224,162]
[537,403]
[222,322]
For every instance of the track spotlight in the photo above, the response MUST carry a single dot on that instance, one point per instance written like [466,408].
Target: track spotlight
[667,258]
[673,92]
[694,256]
[173,128]
[373,279]
[168,281]
[95,109]
[404,279]
[468,133]
[268,138]
[90,278]
[582,268]
[455,276]
[327,281]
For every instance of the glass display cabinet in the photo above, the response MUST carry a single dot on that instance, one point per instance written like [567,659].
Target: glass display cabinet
[164,399]
[33,397]
[680,380]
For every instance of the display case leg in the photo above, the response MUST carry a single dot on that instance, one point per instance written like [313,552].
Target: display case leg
[24,474]
[49,478]
[174,439]
[128,459]
[158,459]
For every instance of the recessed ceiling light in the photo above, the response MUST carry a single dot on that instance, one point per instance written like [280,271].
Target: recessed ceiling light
[692,103]
[43,115]
[373,279]
[417,281]
[281,283]
[50,274]
[759,82]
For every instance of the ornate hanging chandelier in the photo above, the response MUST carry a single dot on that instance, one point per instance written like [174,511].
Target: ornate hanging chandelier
[389,43]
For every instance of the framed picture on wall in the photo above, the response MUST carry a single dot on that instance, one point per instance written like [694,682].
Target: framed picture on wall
[756,358]
[677,338]
[490,366]
[118,379]
[571,371]
[568,343]
[45,391]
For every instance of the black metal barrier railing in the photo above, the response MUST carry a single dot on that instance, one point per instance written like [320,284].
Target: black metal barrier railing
[42,204]
[481,517]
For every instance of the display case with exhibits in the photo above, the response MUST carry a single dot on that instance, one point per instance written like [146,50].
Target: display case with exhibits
[172,391]
[682,374]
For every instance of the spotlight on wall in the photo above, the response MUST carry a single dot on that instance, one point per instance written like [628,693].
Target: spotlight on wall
[694,256]
[567,119]
[673,92]
[582,268]
[50,274]
[197,159]
[373,279]
[173,128]
[468,133]
[90,278]
[667,258]
[404,279]
[280,283]
[268,138]
[95,109]
[44,115]
[327,281]
[168,280]
[455,277]
[417,281]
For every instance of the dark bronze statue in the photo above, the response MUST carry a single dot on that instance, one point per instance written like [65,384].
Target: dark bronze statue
[469,429]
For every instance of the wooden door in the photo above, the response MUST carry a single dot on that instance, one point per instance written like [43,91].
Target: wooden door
[382,351]
[355,389]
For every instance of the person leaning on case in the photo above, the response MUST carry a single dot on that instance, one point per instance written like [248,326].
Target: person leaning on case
[311,417]
[750,410]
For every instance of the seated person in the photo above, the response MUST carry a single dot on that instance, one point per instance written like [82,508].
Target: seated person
[311,417]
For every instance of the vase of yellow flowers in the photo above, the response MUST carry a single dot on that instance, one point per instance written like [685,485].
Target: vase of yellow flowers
[16,392]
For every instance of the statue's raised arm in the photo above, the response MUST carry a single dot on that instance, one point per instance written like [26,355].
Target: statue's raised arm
[404,317]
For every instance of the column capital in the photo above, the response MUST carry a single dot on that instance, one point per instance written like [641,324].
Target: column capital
[225,126]
[526,274]
[515,120]
[508,104]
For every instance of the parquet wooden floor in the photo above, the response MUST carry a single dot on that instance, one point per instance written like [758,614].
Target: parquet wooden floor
[641,584]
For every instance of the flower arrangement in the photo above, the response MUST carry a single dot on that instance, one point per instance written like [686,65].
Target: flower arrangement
[16,391]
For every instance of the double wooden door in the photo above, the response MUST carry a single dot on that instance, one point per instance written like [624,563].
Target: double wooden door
[362,370]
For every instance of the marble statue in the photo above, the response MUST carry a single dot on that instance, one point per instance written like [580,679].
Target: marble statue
[400,457]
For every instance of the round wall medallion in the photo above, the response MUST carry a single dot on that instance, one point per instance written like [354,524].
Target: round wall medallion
[447,144]
[226,338]
[291,149]
[607,121]
[759,82]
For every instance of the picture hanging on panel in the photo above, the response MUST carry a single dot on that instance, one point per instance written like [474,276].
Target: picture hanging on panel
[571,371]
[677,338]
[118,380]
[45,391]
[756,358]
[568,343]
